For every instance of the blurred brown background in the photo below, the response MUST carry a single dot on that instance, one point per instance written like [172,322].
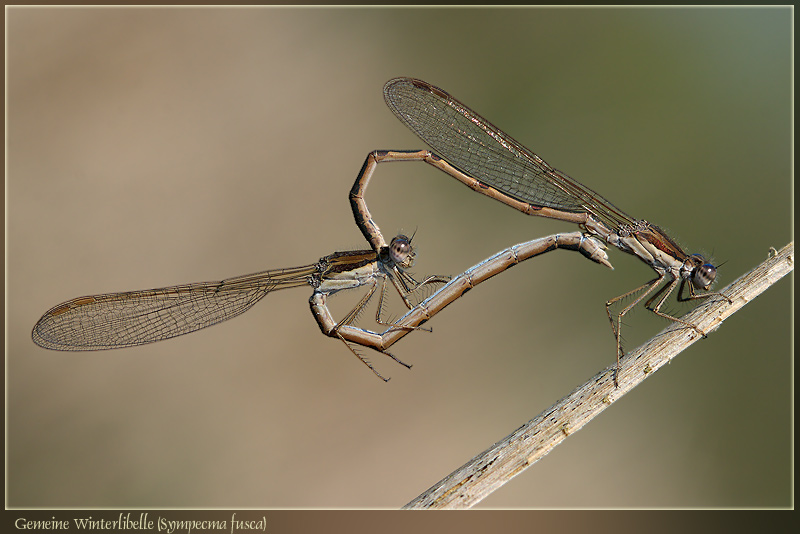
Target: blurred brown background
[150,147]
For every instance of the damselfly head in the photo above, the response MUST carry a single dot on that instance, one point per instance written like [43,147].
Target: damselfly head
[703,273]
[401,252]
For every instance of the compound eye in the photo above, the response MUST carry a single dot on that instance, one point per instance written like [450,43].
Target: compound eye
[400,249]
[704,276]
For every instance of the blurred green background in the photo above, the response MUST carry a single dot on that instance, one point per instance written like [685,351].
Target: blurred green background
[151,147]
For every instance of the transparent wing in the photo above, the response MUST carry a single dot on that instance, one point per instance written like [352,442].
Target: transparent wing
[477,147]
[133,318]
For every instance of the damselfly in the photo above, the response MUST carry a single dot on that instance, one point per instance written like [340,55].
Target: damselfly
[116,320]
[472,150]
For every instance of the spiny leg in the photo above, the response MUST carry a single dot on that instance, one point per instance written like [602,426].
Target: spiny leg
[381,306]
[432,279]
[363,359]
[354,313]
[400,282]
[393,325]
[695,296]
[657,309]
[616,327]
[401,279]
[366,362]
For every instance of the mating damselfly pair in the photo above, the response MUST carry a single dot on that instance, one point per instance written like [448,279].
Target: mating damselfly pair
[465,146]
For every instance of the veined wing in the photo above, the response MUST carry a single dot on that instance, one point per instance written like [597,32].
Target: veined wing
[478,148]
[116,320]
